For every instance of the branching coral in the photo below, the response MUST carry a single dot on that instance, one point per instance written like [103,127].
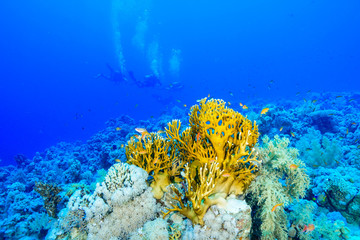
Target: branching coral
[49,192]
[218,149]
[157,156]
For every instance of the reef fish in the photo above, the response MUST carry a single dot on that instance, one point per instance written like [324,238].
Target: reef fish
[140,130]
[277,205]
[265,110]
[309,228]
[293,166]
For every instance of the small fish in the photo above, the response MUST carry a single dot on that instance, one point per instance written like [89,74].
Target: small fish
[185,105]
[265,110]
[304,100]
[198,137]
[208,95]
[143,134]
[308,91]
[292,134]
[309,228]
[231,94]
[122,145]
[229,103]
[331,114]
[353,123]
[339,96]
[298,93]
[293,166]
[156,160]
[351,100]
[358,146]
[117,160]
[308,149]
[143,152]
[245,107]
[226,175]
[241,104]
[277,205]
[160,131]
[118,129]
[140,130]
[178,100]
[347,131]
[271,81]
[281,129]
[314,101]
[136,105]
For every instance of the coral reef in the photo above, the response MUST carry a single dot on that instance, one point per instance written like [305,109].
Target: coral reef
[201,174]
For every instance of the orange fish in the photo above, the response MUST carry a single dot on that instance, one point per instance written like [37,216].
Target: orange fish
[118,129]
[185,105]
[208,95]
[293,166]
[277,205]
[122,145]
[117,160]
[281,129]
[245,107]
[353,123]
[142,152]
[198,137]
[314,101]
[292,134]
[265,110]
[347,131]
[226,175]
[140,130]
[241,105]
[160,131]
[143,134]
[309,228]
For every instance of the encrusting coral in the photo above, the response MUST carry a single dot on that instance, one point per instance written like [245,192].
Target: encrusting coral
[216,154]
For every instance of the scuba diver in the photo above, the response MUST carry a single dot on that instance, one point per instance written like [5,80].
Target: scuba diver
[115,76]
[149,80]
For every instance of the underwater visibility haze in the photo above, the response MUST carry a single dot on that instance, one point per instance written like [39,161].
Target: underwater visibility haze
[149,119]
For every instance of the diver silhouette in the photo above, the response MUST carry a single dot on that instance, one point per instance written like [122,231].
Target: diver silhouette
[149,80]
[115,75]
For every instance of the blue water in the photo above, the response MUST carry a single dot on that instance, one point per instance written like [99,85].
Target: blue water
[235,50]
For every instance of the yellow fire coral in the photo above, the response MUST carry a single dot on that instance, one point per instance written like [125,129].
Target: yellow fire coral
[156,155]
[217,148]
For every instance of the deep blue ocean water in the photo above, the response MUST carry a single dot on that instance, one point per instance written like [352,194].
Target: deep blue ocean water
[52,51]
[79,79]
